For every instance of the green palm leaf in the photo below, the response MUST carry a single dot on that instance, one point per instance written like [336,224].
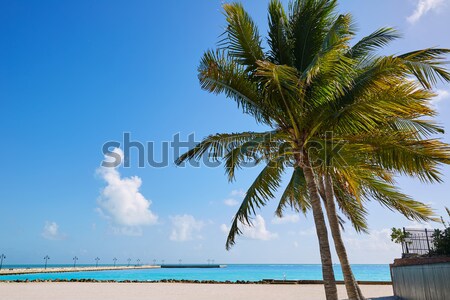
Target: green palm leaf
[243,41]
[295,195]
[261,190]
[280,46]
[374,41]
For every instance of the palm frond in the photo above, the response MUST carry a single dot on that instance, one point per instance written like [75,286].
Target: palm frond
[350,207]
[218,145]
[282,88]
[260,148]
[295,195]
[373,41]
[261,191]
[309,22]
[330,56]
[280,45]
[220,74]
[427,65]
[243,42]
[391,198]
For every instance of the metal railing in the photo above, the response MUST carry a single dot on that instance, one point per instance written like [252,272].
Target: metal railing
[417,241]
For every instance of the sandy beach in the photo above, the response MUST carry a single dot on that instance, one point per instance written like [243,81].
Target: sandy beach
[176,291]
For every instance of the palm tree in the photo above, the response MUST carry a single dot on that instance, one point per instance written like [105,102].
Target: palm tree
[401,134]
[310,82]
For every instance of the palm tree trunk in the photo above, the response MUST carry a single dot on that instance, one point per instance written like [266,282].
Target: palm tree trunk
[353,290]
[321,230]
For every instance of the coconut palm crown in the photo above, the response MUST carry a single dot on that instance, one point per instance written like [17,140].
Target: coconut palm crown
[337,110]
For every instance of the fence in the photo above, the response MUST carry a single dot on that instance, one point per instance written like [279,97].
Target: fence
[417,241]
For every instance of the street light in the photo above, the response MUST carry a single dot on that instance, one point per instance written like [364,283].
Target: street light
[96,259]
[114,259]
[46,259]
[2,257]
[75,261]
[129,260]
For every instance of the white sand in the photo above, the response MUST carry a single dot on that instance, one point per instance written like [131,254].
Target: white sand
[174,291]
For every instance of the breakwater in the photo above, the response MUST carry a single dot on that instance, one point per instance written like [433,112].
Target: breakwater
[20,271]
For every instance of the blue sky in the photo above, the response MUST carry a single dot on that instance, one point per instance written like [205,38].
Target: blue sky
[76,74]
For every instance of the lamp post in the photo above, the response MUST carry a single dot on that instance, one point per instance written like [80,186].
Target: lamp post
[46,259]
[114,259]
[2,257]
[75,261]
[96,261]
[129,260]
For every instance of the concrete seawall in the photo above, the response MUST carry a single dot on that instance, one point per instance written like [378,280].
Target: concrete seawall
[72,269]
[421,279]
[193,266]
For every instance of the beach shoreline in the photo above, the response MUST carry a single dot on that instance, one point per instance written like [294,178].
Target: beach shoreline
[194,281]
[172,291]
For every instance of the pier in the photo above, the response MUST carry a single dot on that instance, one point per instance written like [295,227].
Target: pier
[72,269]
[192,266]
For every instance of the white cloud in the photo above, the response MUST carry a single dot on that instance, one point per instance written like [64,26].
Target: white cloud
[377,244]
[440,95]
[185,228]
[309,231]
[122,203]
[290,218]
[423,7]
[376,240]
[257,231]
[236,195]
[224,228]
[419,225]
[230,202]
[51,231]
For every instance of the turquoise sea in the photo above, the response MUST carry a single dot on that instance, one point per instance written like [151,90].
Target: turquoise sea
[232,272]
